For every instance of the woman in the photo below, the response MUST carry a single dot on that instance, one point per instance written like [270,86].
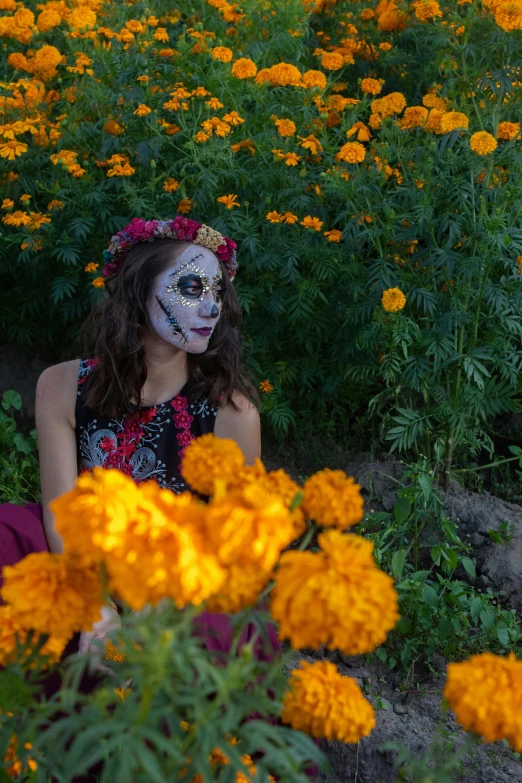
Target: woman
[166,368]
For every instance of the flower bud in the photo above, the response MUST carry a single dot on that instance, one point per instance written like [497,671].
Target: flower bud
[152,163]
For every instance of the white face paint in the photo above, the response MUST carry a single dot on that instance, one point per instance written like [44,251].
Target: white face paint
[186,300]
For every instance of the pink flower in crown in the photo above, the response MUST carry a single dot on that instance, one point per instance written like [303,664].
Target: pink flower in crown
[140,230]
[184,437]
[185,228]
[183,419]
[224,252]
[179,403]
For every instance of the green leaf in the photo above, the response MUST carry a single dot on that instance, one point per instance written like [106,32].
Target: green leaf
[503,635]
[487,617]
[444,628]
[150,763]
[469,566]
[426,484]
[430,596]
[381,654]
[401,510]
[476,607]
[398,562]
[22,443]
[297,500]
[11,399]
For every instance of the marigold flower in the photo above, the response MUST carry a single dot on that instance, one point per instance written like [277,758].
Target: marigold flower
[201,136]
[285,127]
[332,498]
[229,201]
[332,61]
[7,203]
[112,653]
[290,218]
[311,79]
[426,9]
[184,206]
[371,86]
[485,694]
[508,15]
[53,593]
[12,149]
[11,627]
[242,587]
[508,130]
[393,299]
[48,19]
[413,117]
[273,217]
[142,110]
[244,68]
[352,152]
[222,53]
[266,386]
[170,185]
[99,282]
[362,131]
[483,143]
[390,104]
[355,604]
[92,266]
[291,159]
[208,458]
[453,120]
[334,235]
[322,703]
[312,222]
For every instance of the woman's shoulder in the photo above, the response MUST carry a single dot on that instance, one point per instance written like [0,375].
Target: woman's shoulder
[56,389]
[240,423]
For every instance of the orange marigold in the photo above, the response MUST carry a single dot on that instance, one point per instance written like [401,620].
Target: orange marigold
[53,593]
[311,79]
[371,86]
[393,299]
[485,694]
[333,499]
[453,120]
[244,68]
[208,458]
[285,127]
[483,143]
[352,152]
[413,117]
[508,130]
[332,61]
[322,703]
[426,9]
[355,604]
[11,627]
[222,53]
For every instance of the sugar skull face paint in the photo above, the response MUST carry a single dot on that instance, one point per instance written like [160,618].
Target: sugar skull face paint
[186,300]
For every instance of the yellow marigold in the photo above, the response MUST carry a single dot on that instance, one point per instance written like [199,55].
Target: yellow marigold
[92,517]
[222,53]
[290,218]
[99,282]
[371,86]
[53,593]
[483,143]
[184,206]
[322,703]
[274,217]
[92,266]
[355,604]
[244,68]
[453,120]
[48,19]
[11,627]
[163,552]
[242,587]
[311,79]
[331,498]
[508,15]
[332,61]
[142,110]
[334,235]
[285,127]
[170,185]
[393,299]
[81,18]
[508,130]
[362,131]
[432,124]
[389,105]
[208,458]
[352,152]
[432,101]
[7,203]
[375,121]
[112,127]
[426,9]
[413,117]
[248,526]
[367,13]
[312,222]
[112,653]
[229,201]
[266,386]
[485,694]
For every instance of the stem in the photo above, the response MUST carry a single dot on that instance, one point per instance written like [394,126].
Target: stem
[489,465]
[416,546]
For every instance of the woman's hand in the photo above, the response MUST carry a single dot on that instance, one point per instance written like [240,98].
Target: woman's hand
[90,640]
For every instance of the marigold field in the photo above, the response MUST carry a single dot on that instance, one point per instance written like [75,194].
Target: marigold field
[365,156]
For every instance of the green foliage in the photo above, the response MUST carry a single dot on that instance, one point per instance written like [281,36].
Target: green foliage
[136,732]
[19,473]
[441,609]
[423,213]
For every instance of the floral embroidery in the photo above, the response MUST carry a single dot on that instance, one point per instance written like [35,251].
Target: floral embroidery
[132,443]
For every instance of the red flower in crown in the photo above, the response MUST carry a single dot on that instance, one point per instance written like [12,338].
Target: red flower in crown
[185,228]
[140,230]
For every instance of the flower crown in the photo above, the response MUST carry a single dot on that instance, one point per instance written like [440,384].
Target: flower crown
[182,228]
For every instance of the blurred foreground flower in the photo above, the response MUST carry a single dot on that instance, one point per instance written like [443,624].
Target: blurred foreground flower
[485,694]
[322,703]
[337,597]
[331,498]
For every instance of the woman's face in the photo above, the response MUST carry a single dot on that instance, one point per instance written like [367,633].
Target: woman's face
[186,300]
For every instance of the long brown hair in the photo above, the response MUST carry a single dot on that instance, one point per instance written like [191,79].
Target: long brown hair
[116,326]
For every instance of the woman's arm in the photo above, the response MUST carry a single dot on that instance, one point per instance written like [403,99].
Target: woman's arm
[55,425]
[243,426]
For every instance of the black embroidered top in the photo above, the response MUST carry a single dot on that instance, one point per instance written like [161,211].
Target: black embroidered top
[145,445]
